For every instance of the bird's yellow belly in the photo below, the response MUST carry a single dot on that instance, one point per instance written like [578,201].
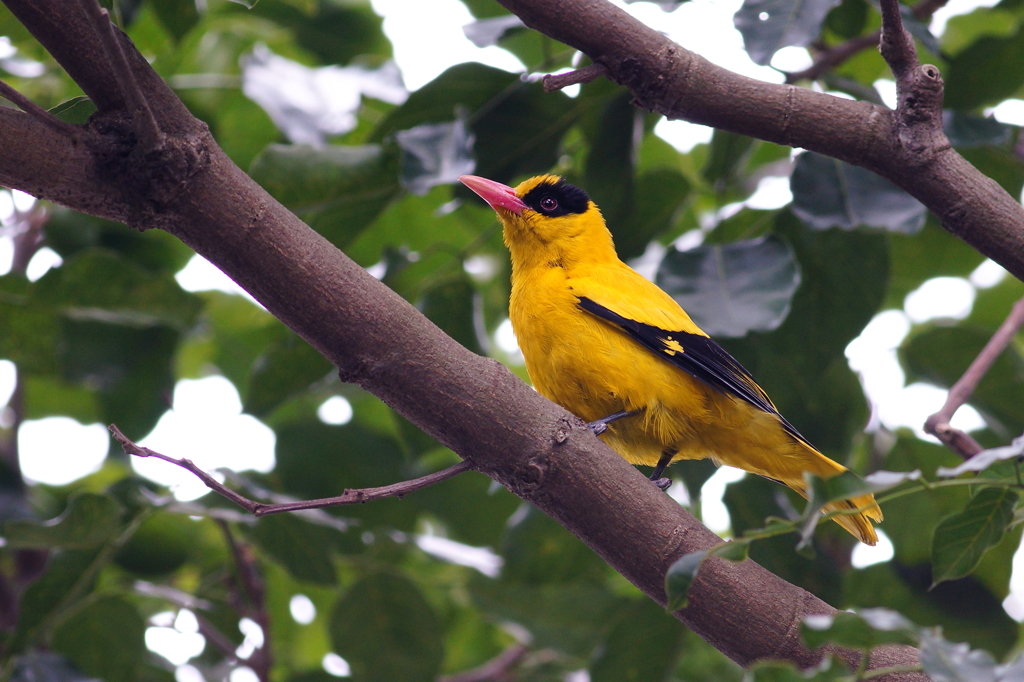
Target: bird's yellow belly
[594,370]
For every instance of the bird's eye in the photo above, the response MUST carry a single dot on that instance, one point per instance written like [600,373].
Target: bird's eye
[548,204]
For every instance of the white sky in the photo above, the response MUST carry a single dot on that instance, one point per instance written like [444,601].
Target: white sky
[206,423]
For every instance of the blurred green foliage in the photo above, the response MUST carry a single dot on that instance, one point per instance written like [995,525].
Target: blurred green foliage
[105,336]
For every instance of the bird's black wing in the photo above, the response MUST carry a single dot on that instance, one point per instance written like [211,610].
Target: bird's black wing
[698,356]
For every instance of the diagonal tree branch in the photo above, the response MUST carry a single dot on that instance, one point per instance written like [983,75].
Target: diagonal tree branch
[938,424]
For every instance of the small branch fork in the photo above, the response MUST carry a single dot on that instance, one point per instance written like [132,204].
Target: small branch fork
[143,121]
[579,76]
[37,112]
[938,424]
[834,56]
[359,496]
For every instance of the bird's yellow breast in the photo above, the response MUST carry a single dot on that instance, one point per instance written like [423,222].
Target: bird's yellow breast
[594,369]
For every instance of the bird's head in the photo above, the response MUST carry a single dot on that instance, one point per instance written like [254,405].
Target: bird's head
[546,217]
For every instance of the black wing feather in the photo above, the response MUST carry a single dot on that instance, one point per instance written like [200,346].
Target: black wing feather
[701,358]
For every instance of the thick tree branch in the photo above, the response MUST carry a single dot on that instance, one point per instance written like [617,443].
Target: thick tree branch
[673,81]
[470,404]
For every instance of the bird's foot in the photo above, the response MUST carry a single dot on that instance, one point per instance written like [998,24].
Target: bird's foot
[662,483]
[601,425]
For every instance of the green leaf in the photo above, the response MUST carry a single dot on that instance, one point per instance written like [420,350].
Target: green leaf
[449,303]
[335,32]
[830,193]
[131,370]
[802,364]
[680,577]
[103,286]
[48,593]
[931,252]
[641,646]
[473,509]
[728,155]
[303,548]
[734,551]
[177,16]
[76,110]
[855,631]
[966,130]
[829,670]
[161,545]
[70,233]
[608,169]
[287,366]
[732,289]
[753,500]
[963,538]
[999,163]
[977,75]
[663,192]
[105,639]
[317,460]
[338,191]
[848,19]
[88,521]
[964,30]
[387,631]
[28,333]
[517,126]
[538,550]
[769,25]
[569,617]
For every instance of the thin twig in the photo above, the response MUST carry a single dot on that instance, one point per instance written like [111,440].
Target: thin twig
[562,80]
[837,54]
[833,57]
[896,44]
[37,112]
[938,424]
[358,496]
[146,128]
[493,670]
[252,582]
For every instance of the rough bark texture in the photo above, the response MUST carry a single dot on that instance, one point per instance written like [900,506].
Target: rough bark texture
[471,404]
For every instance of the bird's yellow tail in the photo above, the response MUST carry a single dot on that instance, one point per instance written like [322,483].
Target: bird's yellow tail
[858,524]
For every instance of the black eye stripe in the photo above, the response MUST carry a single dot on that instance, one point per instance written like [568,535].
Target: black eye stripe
[568,198]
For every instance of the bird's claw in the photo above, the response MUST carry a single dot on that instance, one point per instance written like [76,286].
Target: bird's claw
[662,483]
[598,427]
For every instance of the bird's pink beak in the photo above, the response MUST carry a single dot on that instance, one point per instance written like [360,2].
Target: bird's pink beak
[495,193]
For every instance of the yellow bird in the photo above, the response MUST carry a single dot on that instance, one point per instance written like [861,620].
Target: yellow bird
[612,348]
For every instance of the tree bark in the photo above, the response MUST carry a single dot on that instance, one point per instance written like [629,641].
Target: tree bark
[471,404]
